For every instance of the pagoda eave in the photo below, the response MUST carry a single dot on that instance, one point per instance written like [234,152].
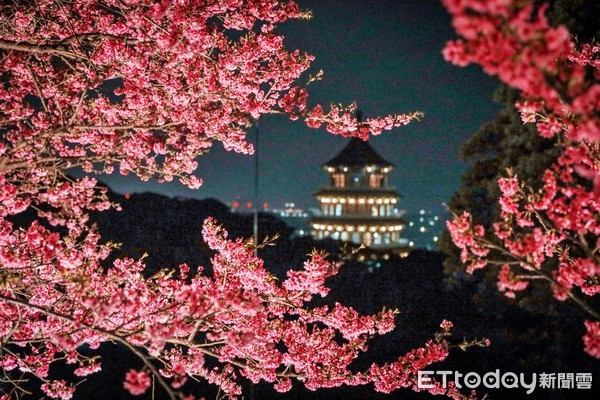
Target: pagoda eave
[357,192]
[384,221]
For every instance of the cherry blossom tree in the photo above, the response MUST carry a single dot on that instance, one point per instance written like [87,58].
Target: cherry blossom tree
[145,87]
[548,232]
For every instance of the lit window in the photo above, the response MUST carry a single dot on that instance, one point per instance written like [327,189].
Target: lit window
[375,180]
[338,210]
[338,180]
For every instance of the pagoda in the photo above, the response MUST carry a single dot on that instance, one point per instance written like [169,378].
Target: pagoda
[358,206]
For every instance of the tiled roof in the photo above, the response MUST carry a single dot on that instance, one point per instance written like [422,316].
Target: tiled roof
[357,153]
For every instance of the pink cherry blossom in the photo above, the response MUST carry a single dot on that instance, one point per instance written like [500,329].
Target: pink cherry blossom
[555,226]
[136,382]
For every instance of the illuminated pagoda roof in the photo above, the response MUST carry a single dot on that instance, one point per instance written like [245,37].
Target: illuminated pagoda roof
[357,153]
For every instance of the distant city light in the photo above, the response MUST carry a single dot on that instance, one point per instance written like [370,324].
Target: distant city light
[423,230]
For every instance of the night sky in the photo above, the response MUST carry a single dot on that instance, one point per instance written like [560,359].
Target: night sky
[386,56]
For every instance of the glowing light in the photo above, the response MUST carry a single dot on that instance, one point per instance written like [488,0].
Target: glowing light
[361,201]
[379,201]
[349,228]
[345,169]
[265,205]
[236,204]
[127,196]
[249,204]
[362,228]
[352,201]
[342,200]
[386,169]
[329,227]
[373,229]
[435,238]
[369,169]
[371,201]
[339,228]
[383,229]
[387,201]
[411,244]
[330,169]
[394,201]
[422,229]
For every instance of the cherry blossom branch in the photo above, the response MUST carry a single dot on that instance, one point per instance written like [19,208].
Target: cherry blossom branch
[101,331]
[124,127]
[37,49]
[93,36]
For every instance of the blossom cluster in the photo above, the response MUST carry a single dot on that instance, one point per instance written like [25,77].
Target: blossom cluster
[144,88]
[550,232]
[249,323]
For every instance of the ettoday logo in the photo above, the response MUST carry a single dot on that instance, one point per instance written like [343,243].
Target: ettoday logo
[508,380]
